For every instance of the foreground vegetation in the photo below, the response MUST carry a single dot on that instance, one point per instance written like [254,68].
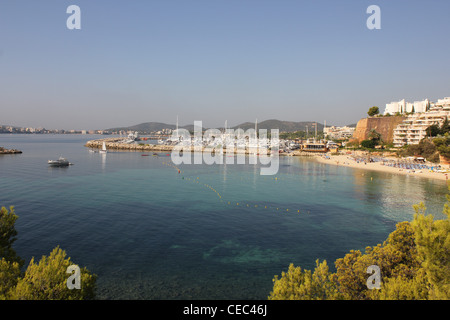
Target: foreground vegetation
[414,265]
[44,280]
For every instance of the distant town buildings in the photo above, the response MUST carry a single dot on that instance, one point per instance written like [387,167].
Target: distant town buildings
[28,130]
[338,133]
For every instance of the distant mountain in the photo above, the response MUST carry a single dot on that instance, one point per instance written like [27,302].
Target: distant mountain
[148,127]
[282,126]
[144,127]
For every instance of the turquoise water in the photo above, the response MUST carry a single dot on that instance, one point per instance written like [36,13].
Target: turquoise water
[208,232]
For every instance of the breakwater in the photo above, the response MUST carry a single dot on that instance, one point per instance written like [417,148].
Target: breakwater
[119,144]
[9,151]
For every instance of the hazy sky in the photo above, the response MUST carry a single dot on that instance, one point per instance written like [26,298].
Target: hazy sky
[216,60]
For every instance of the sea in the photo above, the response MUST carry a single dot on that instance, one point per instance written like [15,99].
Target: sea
[153,230]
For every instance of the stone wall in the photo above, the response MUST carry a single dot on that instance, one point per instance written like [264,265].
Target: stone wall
[383,125]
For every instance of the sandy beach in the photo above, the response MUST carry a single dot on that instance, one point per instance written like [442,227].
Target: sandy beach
[351,161]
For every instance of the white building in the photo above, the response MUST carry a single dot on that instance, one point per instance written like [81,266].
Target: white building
[339,133]
[395,107]
[442,102]
[407,107]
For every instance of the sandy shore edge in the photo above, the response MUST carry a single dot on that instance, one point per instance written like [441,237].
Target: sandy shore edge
[348,161]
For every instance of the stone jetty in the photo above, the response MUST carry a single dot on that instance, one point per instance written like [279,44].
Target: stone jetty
[119,144]
[9,151]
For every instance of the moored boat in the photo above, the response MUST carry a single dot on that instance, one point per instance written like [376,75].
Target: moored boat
[103,150]
[61,162]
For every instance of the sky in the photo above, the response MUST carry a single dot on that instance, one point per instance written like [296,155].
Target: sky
[216,60]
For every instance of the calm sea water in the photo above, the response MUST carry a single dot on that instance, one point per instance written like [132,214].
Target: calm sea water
[208,232]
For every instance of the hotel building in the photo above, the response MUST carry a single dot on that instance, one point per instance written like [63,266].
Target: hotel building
[413,128]
[407,107]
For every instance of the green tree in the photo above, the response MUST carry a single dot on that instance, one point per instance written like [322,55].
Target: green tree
[433,245]
[296,284]
[396,257]
[433,130]
[369,144]
[445,127]
[413,261]
[44,280]
[9,275]
[443,145]
[47,280]
[426,148]
[8,235]
[373,111]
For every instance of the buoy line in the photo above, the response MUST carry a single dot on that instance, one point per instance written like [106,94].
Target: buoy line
[237,204]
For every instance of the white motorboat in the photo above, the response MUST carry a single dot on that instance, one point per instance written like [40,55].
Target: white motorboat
[61,162]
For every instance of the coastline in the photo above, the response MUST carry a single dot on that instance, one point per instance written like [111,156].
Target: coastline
[349,161]
[346,160]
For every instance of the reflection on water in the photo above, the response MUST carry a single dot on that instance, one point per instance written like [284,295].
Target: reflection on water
[103,155]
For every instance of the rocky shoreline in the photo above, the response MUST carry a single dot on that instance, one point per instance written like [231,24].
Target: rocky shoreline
[9,151]
[118,144]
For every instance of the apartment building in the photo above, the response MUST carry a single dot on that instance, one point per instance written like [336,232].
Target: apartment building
[339,133]
[413,128]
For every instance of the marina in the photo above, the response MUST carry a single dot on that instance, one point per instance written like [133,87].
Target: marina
[236,147]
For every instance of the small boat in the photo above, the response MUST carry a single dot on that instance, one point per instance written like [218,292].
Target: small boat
[61,162]
[103,148]
[144,155]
